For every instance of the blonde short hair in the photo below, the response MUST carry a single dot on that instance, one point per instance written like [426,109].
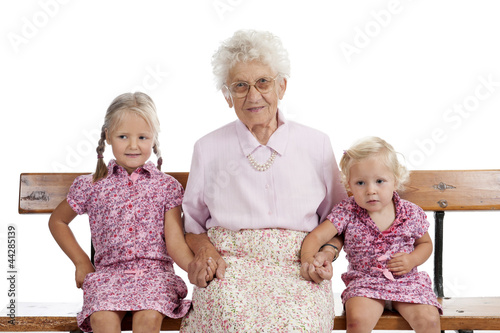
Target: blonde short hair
[371,146]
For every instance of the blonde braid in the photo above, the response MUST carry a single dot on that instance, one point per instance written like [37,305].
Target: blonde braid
[156,150]
[101,170]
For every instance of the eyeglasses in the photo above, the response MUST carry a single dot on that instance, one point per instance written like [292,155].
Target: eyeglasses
[240,89]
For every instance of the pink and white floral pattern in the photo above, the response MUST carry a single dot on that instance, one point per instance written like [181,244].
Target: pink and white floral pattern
[262,290]
[126,215]
[365,245]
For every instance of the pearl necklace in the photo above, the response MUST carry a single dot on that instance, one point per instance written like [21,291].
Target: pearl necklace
[262,167]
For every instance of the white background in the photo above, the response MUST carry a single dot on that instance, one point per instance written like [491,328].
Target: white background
[413,72]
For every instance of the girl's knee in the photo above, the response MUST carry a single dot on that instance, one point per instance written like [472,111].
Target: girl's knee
[356,324]
[422,318]
[106,321]
[147,321]
[426,324]
[362,314]
[429,321]
[355,318]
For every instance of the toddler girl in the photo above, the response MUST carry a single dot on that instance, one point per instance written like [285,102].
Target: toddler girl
[386,239]
[135,222]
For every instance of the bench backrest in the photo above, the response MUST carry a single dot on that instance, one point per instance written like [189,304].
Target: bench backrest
[433,190]
[42,192]
[448,190]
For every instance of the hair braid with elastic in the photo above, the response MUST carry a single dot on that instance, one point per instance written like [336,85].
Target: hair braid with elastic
[101,170]
[156,150]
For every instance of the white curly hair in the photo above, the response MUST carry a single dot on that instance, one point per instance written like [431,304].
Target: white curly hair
[246,46]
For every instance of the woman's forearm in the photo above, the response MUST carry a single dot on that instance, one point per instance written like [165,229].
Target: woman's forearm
[207,262]
[200,243]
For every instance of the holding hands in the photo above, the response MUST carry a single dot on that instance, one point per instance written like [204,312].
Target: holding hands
[207,263]
[318,267]
[203,270]
[318,252]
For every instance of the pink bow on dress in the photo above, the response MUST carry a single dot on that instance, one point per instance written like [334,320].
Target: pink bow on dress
[384,271]
[136,272]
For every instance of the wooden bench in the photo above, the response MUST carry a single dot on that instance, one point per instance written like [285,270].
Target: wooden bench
[437,191]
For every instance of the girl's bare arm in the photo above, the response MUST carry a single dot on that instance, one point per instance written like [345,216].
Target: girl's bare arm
[402,263]
[59,227]
[177,247]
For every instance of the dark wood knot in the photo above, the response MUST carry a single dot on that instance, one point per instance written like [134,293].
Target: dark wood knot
[37,196]
[443,203]
[442,186]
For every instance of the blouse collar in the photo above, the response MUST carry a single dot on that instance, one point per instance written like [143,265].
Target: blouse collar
[147,169]
[277,141]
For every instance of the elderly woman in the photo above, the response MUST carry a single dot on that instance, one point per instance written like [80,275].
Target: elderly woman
[257,186]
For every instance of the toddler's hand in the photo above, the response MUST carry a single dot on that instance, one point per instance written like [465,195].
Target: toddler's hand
[323,266]
[400,264]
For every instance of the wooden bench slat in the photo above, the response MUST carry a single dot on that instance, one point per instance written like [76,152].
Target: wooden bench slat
[461,189]
[37,324]
[455,189]
[464,313]
[471,313]
[42,192]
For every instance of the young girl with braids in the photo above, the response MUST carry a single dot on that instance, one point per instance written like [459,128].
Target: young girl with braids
[135,221]
[385,238]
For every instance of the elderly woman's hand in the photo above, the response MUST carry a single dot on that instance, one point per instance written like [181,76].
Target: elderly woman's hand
[203,269]
[207,262]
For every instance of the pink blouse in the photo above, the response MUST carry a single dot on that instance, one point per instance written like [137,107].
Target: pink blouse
[296,192]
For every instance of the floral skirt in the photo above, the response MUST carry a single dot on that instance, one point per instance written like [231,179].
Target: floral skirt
[262,290]
[133,286]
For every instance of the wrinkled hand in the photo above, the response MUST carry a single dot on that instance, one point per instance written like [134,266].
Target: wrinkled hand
[317,268]
[204,269]
[81,272]
[400,263]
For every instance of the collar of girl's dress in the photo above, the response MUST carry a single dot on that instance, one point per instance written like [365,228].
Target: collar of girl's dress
[115,169]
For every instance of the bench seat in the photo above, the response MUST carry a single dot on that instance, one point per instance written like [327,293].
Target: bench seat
[465,313]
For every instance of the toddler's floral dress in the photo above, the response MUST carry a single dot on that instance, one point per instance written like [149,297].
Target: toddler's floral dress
[368,250]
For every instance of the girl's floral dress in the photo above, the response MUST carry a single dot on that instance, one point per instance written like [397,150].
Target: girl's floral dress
[126,215]
[368,250]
